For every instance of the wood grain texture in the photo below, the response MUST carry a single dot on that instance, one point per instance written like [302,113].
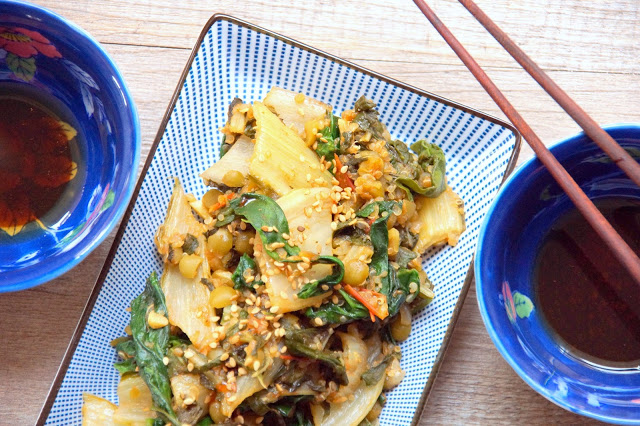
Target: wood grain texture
[589,48]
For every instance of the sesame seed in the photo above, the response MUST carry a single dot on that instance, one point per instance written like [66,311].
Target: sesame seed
[284,348]
[317,321]
[190,366]
[256,365]
[189,354]
[274,309]
[224,357]
[334,226]
[165,360]
[231,398]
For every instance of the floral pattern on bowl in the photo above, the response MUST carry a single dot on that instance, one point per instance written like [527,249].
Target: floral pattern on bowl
[19,48]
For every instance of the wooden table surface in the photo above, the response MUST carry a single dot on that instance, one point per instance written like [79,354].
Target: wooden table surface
[590,48]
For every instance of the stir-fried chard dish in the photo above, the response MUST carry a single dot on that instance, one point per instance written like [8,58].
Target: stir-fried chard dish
[287,287]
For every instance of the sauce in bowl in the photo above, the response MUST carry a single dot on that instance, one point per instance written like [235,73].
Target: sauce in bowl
[35,162]
[584,294]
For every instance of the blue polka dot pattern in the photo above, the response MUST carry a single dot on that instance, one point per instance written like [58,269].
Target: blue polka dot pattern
[234,60]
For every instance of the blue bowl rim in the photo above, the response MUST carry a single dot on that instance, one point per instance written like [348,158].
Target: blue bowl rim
[518,174]
[77,334]
[90,242]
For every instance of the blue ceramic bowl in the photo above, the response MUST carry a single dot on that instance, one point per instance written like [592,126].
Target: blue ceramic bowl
[47,58]
[528,203]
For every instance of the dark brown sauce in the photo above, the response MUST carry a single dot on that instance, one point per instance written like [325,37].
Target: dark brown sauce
[584,293]
[35,162]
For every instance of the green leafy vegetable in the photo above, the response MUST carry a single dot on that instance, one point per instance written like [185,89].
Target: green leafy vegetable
[126,366]
[431,165]
[382,400]
[301,420]
[205,422]
[407,238]
[239,281]
[286,405]
[268,219]
[190,244]
[379,238]
[151,346]
[224,146]
[300,342]
[367,117]
[405,256]
[314,288]
[346,310]
[331,134]
[394,285]
[399,288]
[126,349]
[401,157]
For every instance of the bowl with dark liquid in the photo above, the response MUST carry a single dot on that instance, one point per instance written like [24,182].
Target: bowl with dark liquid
[559,307]
[69,145]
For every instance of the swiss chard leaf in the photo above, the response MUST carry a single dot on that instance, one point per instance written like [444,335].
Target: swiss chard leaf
[379,238]
[205,422]
[374,374]
[239,281]
[314,288]
[367,117]
[399,288]
[394,285]
[286,405]
[190,244]
[300,420]
[346,310]
[404,256]
[299,342]
[262,213]
[151,346]
[331,134]
[432,161]
[126,349]
[126,366]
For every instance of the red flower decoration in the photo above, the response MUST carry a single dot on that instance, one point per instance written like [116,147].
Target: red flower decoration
[26,43]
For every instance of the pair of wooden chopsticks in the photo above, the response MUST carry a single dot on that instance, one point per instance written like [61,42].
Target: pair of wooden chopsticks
[619,156]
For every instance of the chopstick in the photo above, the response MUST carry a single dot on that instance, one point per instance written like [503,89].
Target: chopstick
[590,127]
[614,241]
